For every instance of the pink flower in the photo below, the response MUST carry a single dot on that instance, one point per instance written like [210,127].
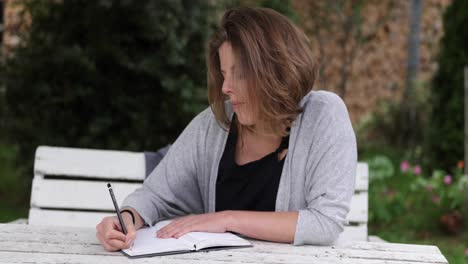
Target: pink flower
[404,166]
[436,199]
[466,252]
[417,170]
[448,179]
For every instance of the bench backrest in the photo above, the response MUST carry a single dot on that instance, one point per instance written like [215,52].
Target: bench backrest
[69,187]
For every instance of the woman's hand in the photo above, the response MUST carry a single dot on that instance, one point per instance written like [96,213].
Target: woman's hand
[109,233]
[211,222]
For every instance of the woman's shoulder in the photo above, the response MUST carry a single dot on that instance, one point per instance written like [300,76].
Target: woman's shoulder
[322,98]
[323,103]
[206,121]
[324,113]
[202,119]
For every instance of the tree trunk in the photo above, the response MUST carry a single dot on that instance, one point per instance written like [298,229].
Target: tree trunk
[408,101]
[466,121]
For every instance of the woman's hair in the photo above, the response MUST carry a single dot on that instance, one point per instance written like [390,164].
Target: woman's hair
[272,57]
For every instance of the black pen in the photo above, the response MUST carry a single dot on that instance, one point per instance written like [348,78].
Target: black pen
[117,210]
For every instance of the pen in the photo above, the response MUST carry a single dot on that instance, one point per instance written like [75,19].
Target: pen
[117,210]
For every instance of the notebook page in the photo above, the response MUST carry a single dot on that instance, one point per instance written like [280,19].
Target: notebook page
[146,242]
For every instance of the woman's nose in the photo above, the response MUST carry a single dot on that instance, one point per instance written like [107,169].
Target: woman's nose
[227,86]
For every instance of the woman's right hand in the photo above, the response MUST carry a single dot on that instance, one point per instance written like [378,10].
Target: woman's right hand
[109,233]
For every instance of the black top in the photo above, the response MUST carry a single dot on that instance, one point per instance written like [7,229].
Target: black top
[252,186]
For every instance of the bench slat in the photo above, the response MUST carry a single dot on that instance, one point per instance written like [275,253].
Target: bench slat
[358,208]
[90,163]
[65,218]
[362,177]
[111,164]
[78,194]
[93,195]
[353,233]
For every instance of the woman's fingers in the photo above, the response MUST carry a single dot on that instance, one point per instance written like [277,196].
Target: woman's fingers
[209,222]
[114,234]
[184,223]
[109,234]
[117,244]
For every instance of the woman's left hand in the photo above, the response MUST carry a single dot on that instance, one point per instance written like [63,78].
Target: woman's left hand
[209,222]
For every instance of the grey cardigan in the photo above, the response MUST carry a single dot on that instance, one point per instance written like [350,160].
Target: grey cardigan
[317,178]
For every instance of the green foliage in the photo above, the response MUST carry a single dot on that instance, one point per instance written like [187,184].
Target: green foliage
[446,191]
[380,167]
[125,75]
[11,189]
[386,126]
[400,214]
[393,193]
[446,126]
[385,202]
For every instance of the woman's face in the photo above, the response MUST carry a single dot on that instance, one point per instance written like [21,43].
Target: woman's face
[235,87]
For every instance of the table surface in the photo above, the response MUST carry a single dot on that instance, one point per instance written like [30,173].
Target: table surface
[45,244]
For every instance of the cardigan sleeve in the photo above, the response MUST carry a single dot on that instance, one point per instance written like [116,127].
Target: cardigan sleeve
[171,189]
[330,174]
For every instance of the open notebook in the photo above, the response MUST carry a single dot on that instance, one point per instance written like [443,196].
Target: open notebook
[147,244]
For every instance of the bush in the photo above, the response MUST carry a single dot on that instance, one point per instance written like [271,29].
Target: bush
[446,191]
[385,202]
[446,126]
[123,75]
[388,125]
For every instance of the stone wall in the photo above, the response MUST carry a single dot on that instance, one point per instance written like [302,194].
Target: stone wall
[369,57]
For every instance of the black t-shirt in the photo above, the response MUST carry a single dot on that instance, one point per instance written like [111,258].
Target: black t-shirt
[252,186]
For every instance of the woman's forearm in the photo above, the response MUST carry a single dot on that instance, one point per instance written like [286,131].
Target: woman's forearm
[271,226]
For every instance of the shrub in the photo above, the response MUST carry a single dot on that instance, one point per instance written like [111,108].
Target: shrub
[123,75]
[446,126]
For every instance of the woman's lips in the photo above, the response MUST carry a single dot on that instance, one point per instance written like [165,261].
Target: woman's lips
[236,105]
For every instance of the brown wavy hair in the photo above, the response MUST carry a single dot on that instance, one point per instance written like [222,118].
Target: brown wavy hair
[272,55]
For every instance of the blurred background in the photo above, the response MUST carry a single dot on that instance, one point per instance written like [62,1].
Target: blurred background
[130,75]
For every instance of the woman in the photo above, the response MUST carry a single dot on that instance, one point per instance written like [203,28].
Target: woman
[270,159]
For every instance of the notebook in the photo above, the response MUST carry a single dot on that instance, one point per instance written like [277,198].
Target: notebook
[147,244]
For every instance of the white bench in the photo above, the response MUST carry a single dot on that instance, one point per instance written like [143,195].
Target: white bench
[69,187]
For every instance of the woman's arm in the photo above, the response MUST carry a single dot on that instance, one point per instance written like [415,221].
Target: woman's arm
[271,226]
[172,188]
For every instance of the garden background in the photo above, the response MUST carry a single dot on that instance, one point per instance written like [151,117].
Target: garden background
[130,75]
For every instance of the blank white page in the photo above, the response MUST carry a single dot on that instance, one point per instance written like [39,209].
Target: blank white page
[146,242]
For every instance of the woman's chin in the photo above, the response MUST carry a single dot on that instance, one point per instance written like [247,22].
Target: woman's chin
[243,120]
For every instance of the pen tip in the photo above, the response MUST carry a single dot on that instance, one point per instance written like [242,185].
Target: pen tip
[108,185]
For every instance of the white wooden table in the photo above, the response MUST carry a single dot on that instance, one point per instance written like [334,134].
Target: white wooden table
[45,244]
